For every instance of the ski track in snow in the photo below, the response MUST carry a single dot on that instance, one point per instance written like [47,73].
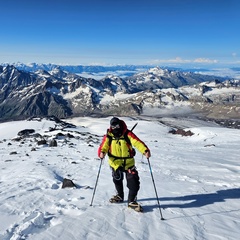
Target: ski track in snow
[198,186]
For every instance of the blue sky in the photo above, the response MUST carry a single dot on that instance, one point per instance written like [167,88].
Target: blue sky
[160,32]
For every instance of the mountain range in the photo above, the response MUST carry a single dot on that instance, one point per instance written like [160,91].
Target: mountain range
[44,91]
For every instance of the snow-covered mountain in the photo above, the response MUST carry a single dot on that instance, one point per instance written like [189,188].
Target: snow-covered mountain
[99,71]
[126,69]
[152,92]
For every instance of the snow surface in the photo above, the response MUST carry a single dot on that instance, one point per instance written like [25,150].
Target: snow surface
[197,180]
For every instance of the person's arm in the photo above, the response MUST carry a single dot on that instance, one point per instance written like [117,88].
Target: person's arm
[103,148]
[139,144]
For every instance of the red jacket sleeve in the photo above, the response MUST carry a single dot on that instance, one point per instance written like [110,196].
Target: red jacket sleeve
[136,142]
[101,145]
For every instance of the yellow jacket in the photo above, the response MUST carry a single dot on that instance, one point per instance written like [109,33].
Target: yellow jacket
[120,152]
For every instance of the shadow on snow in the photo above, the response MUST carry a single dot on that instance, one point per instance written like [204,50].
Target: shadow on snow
[194,200]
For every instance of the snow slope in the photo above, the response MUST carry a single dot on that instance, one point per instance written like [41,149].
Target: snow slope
[197,180]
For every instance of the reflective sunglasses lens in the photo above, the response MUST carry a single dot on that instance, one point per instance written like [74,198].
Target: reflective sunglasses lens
[115,126]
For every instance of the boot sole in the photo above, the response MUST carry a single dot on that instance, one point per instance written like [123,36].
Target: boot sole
[113,201]
[137,209]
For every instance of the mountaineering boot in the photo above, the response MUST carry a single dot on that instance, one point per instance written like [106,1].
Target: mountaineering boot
[135,206]
[116,199]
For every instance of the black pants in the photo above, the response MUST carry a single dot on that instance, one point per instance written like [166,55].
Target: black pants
[132,179]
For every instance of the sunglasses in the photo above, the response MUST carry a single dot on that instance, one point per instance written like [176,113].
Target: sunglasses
[115,126]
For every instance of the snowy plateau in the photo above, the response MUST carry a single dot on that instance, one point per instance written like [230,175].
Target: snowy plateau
[197,179]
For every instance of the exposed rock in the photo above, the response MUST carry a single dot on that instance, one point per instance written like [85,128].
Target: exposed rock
[67,183]
[26,132]
[13,153]
[181,132]
[53,143]
[41,142]
[210,145]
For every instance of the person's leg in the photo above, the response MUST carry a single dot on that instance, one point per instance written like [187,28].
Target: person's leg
[133,183]
[118,182]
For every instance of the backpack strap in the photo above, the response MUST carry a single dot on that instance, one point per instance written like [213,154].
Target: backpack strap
[126,138]
[110,139]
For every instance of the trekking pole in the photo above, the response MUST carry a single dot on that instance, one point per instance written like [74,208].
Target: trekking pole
[133,127]
[155,189]
[96,181]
